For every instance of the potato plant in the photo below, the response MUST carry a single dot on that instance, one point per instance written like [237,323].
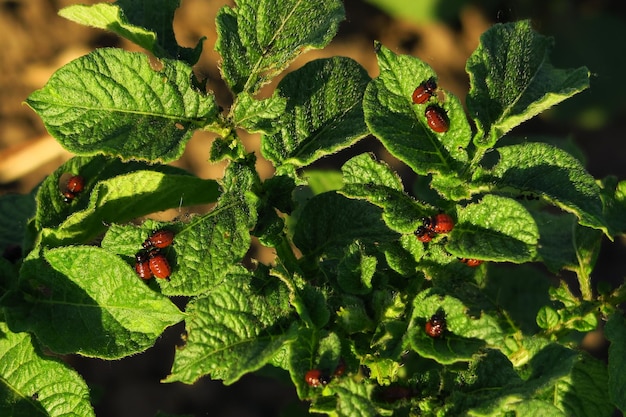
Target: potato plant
[443,300]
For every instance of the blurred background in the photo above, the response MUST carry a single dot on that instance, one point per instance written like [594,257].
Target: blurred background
[443,33]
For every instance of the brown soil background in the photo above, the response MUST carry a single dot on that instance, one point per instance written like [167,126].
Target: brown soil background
[36,42]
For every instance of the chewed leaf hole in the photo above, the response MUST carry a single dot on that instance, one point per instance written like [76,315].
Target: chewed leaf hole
[156,64]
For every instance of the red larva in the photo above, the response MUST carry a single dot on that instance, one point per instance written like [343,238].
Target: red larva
[142,265]
[315,378]
[471,262]
[74,186]
[68,196]
[143,270]
[340,369]
[159,265]
[424,234]
[437,119]
[440,223]
[424,91]
[312,377]
[436,325]
[159,239]
[443,223]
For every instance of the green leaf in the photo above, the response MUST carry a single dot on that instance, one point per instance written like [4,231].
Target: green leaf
[487,386]
[389,342]
[258,39]
[122,198]
[258,115]
[15,212]
[309,302]
[388,305]
[269,228]
[234,329]
[464,337]
[564,244]
[312,350]
[209,245]
[581,318]
[355,270]
[551,174]
[573,381]
[374,181]
[511,403]
[586,323]
[401,212]
[330,222]
[353,317]
[547,318]
[315,300]
[512,80]
[148,23]
[90,302]
[535,408]
[228,147]
[277,192]
[52,210]
[324,111]
[614,199]
[114,102]
[402,256]
[323,405]
[319,181]
[496,229]
[445,270]
[365,169]
[204,250]
[563,295]
[401,125]
[241,176]
[127,240]
[451,188]
[354,399]
[27,388]
[301,356]
[519,291]
[615,332]
[587,243]
[562,382]
[329,351]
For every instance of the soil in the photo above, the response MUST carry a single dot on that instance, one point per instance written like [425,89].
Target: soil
[36,42]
